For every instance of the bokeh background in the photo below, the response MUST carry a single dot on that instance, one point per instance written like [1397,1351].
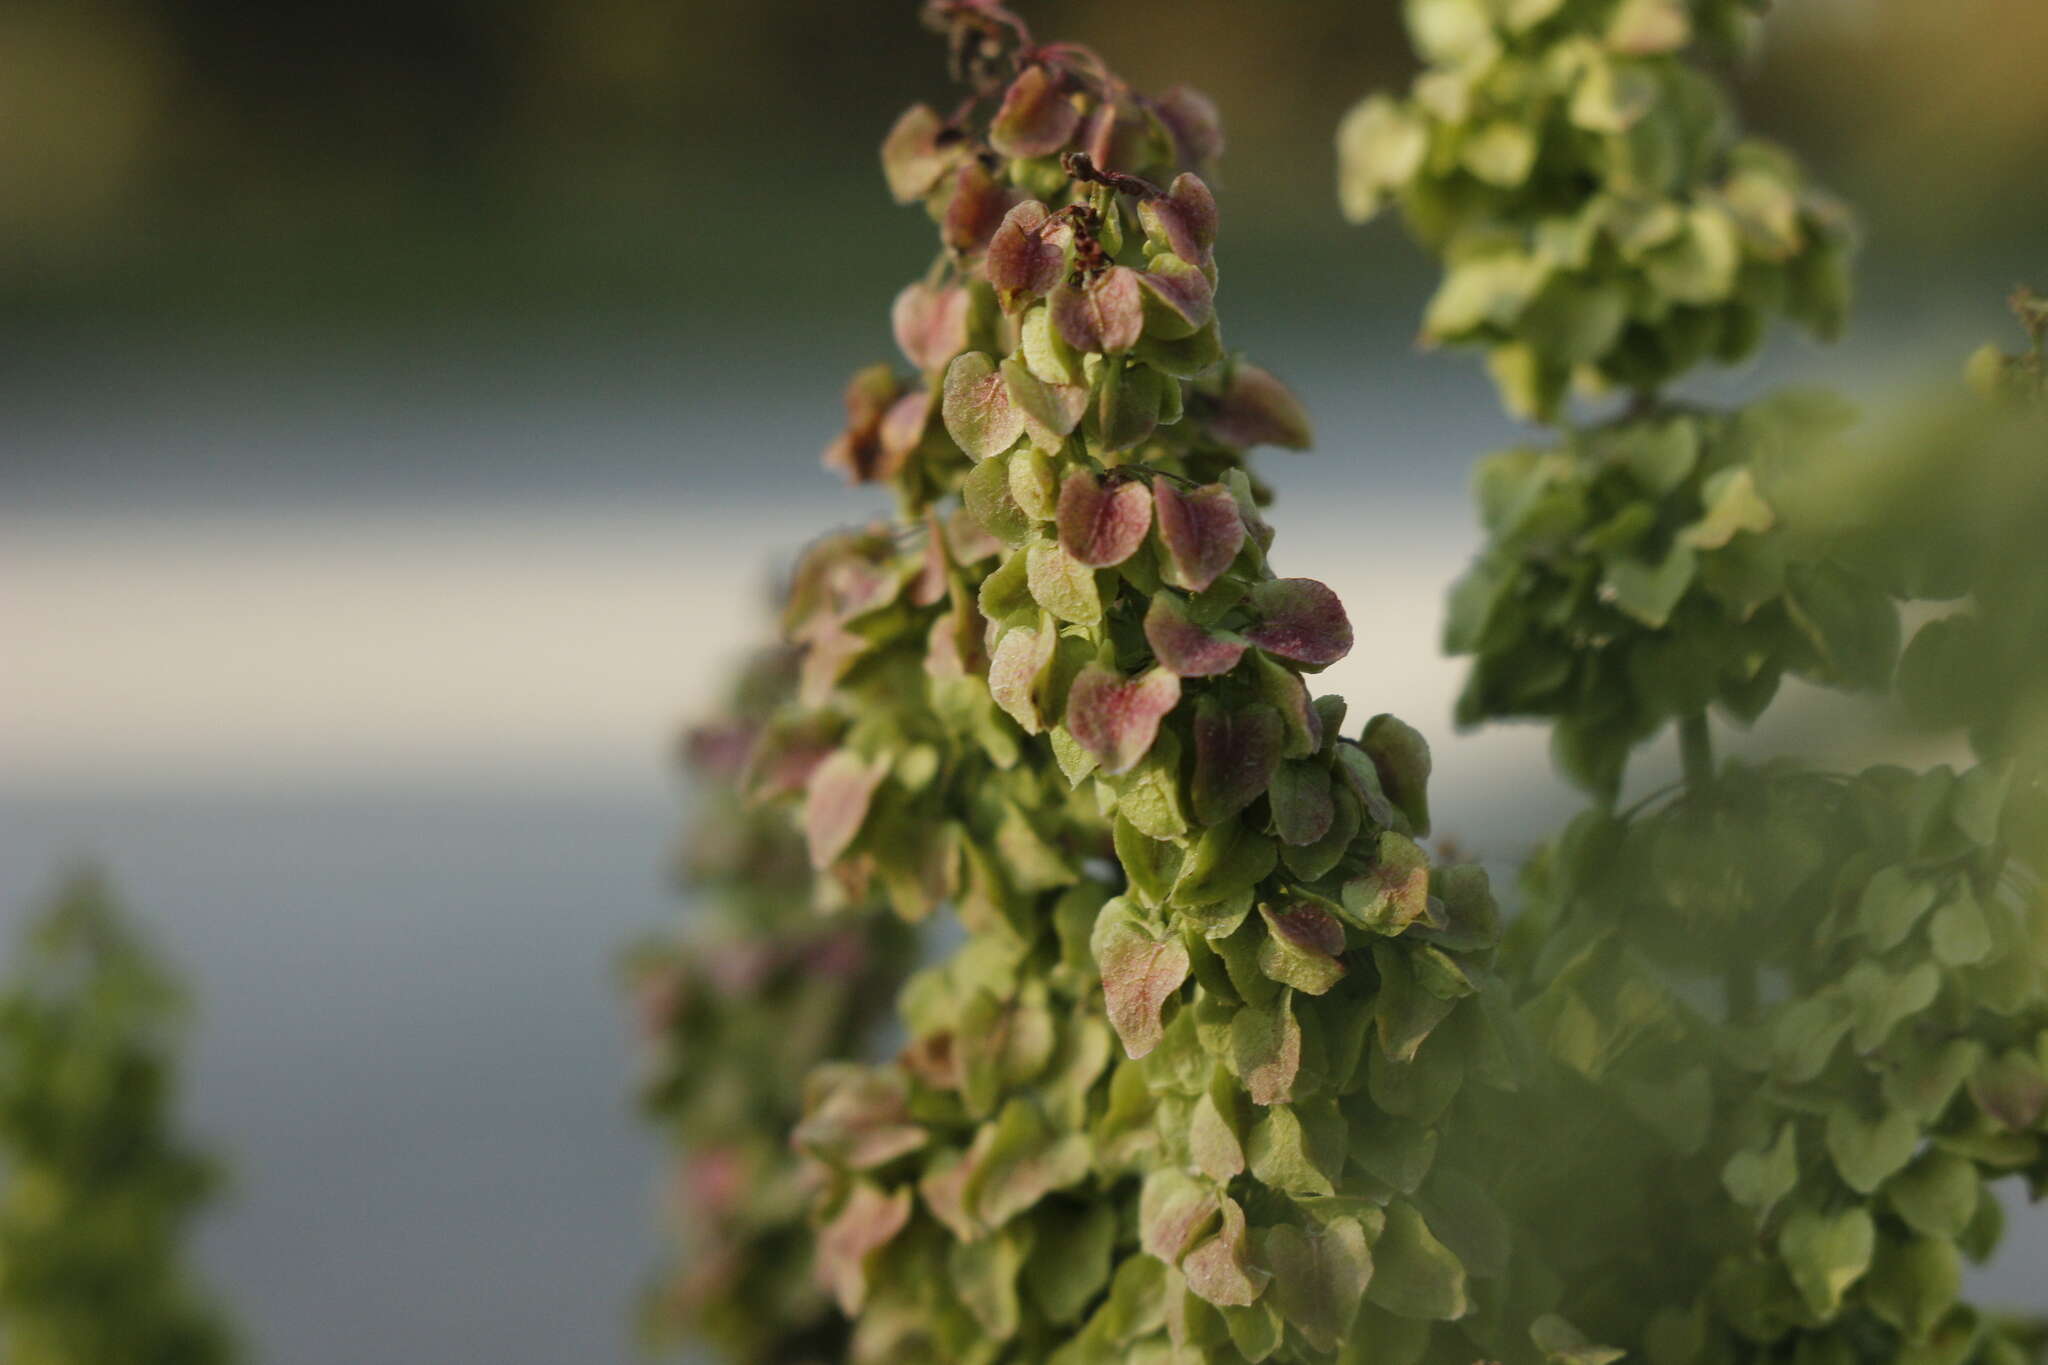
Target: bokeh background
[404,406]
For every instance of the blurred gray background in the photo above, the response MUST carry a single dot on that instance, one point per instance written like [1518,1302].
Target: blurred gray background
[407,408]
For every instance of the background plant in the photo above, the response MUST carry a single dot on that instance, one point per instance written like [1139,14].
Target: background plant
[1778,1008]
[734,1015]
[100,1188]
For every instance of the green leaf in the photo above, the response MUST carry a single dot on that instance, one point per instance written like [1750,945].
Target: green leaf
[1201,532]
[1319,1277]
[1046,353]
[977,409]
[1406,1011]
[1187,357]
[1574,320]
[1484,290]
[1867,1151]
[1937,1194]
[1311,862]
[1278,1154]
[984,1275]
[1501,153]
[1256,409]
[1150,797]
[1103,314]
[1852,626]
[1892,903]
[1074,761]
[912,157]
[1036,117]
[1102,526]
[1393,1150]
[1395,893]
[1050,412]
[1130,402]
[1564,1344]
[1826,1253]
[1142,968]
[1062,584]
[1806,1034]
[1732,507]
[1380,146]
[1227,860]
[1137,1300]
[1265,1050]
[1651,592]
[986,493]
[2011,1089]
[1914,1283]
[1212,1132]
[856,1117]
[1236,752]
[1017,1160]
[1219,1270]
[1401,755]
[1282,688]
[1959,934]
[1174,1209]
[1759,1178]
[1069,1262]
[1185,646]
[1177,297]
[1256,1330]
[1302,947]
[1304,807]
[1150,864]
[930,324]
[836,802]
[1415,1275]
[849,1242]
[1612,96]
[1470,917]
[1018,671]
[1116,718]
[1922,1080]
[1642,28]
[1001,1046]
[1979,802]
[1882,1001]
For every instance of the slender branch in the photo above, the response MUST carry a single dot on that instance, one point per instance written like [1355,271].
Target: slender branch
[1081,167]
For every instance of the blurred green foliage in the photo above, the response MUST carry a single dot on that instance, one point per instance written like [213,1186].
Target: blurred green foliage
[99,1187]
[737,1015]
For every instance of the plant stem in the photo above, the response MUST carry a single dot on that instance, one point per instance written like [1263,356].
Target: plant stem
[1696,747]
